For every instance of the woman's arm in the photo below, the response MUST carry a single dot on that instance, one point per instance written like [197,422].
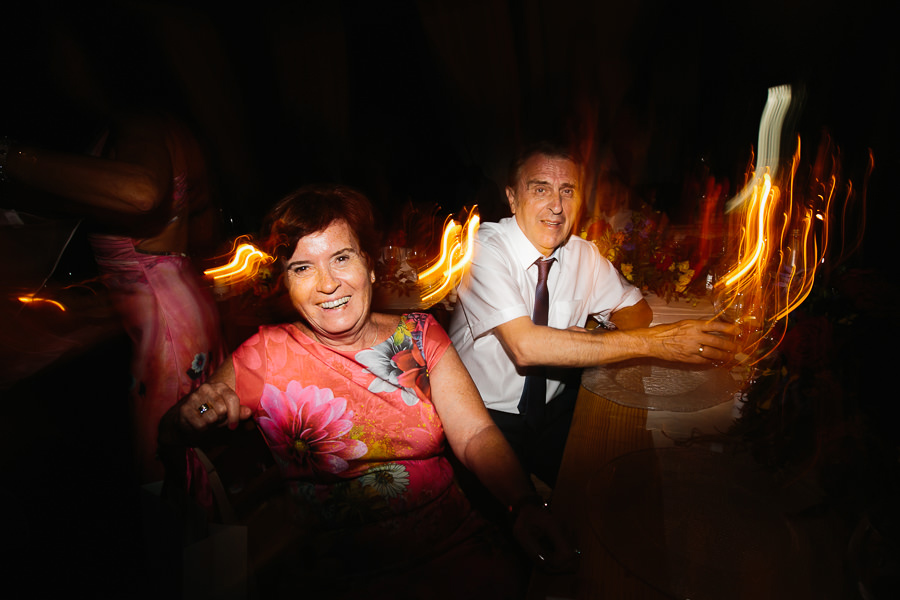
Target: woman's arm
[134,183]
[471,432]
[482,449]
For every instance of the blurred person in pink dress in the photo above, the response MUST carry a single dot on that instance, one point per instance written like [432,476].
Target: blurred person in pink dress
[144,193]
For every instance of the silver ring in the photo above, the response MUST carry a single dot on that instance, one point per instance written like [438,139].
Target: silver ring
[541,557]
[203,408]
[701,348]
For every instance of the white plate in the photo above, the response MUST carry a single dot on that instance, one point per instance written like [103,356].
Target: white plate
[659,385]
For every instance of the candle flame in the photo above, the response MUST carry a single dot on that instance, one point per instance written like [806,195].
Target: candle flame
[246,260]
[457,249]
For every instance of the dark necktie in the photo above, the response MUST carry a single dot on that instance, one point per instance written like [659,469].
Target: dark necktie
[534,395]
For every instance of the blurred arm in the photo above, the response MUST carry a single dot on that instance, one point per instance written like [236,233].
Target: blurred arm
[135,183]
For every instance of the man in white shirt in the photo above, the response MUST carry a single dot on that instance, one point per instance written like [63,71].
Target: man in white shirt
[493,326]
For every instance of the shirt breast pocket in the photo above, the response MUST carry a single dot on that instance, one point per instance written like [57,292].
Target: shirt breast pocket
[566,313]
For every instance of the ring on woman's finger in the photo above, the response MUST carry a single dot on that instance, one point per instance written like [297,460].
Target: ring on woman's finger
[701,348]
[203,408]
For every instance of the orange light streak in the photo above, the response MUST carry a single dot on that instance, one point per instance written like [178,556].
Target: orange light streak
[457,249]
[245,264]
[39,300]
[759,198]
[781,246]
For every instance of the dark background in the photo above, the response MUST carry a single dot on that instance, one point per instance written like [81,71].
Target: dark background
[425,101]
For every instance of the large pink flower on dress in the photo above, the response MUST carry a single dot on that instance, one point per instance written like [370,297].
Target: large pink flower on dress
[304,428]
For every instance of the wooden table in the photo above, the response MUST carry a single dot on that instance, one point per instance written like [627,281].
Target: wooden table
[601,431]
[784,542]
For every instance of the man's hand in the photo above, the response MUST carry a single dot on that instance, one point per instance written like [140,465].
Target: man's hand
[691,341]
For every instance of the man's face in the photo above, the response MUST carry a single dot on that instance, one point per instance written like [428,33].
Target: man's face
[545,201]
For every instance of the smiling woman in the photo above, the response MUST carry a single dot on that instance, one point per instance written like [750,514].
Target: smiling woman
[357,409]
[328,266]
[330,284]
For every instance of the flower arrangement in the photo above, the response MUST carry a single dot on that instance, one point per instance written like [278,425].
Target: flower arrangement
[407,246]
[394,275]
[650,255]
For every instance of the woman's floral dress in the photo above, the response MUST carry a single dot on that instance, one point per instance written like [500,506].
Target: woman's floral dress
[359,443]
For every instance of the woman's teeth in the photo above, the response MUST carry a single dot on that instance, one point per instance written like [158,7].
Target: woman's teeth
[336,303]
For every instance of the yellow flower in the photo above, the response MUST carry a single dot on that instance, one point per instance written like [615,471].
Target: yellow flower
[684,266]
[683,280]
[627,271]
[403,331]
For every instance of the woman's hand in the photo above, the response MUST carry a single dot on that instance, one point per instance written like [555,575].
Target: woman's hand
[211,405]
[542,538]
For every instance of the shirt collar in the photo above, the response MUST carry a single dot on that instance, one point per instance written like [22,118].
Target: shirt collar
[525,252]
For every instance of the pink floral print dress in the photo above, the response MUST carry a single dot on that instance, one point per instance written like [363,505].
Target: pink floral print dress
[358,441]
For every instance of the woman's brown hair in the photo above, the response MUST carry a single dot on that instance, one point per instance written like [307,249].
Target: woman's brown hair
[312,208]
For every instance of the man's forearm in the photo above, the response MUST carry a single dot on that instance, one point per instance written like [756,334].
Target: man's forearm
[690,341]
[532,345]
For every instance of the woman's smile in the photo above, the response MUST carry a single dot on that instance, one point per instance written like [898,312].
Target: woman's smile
[335,303]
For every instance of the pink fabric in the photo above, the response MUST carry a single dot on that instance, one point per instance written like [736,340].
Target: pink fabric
[358,440]
[174,326]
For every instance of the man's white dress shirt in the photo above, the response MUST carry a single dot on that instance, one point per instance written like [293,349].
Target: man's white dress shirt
[499,287]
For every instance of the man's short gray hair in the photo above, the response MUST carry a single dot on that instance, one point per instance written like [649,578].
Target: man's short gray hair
[544,148]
